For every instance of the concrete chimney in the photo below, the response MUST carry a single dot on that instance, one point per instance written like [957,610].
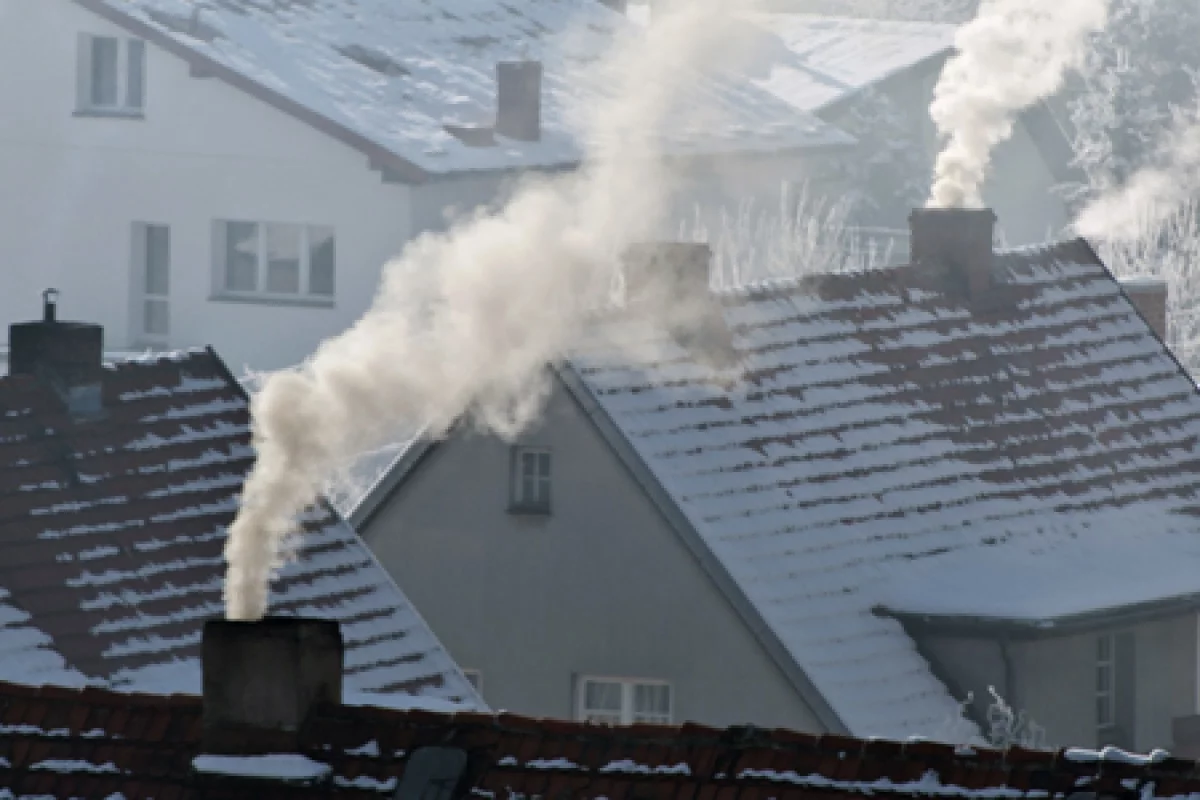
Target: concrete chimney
[958,240]
[262,679]
[69,356]
[1149,295]
[519,100]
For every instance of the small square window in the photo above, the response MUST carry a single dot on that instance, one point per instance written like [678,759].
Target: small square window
[530,480]
[112,75]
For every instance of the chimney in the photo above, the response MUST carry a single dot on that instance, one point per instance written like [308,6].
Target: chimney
[262,679]
[958,240]
[519,100]
[672,278]
[1149,296]
[69,356]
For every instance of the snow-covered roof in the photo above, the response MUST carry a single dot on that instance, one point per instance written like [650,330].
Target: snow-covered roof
[887,433]
[114,529]
[389,74]
[811,62]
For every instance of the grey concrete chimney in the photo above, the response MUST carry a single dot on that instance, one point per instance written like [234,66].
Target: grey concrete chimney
[69,356]
[519,100]
[261,679]
[958,240]
[1149,295]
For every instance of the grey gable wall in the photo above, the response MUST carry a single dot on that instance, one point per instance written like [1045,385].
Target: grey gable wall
[1054,679]
[602,587]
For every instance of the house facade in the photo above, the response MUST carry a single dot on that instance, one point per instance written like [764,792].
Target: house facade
[210,178]
[973,472]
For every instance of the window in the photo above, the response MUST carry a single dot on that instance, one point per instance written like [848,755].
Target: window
[152,282]
[618,701]
[530,480]
[1106,664]
[112,75]
[273,260]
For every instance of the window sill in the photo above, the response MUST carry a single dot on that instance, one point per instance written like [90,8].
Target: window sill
[273,300]
[529,511]
[110,113]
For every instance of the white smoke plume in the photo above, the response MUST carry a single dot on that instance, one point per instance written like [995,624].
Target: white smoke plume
[1153,194]
[464,323]
[1011,55]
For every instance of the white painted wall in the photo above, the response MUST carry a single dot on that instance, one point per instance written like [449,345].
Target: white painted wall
[71,189]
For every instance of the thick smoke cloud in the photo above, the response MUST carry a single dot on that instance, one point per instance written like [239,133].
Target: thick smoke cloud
[464,323]
[1013,54]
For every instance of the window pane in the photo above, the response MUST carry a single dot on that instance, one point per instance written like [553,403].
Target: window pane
[283,259]
[652,699]
[241,256]
[104,71]
[158,255]
[602,696]
[135,90]
[543,465]
[157,321]
[320,261]
[1103,679]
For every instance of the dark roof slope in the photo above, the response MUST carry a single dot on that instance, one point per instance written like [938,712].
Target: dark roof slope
[892,444]
[113,532]
[57,743]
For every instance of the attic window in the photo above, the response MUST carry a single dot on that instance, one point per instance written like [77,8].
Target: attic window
[530,481]
[111,76]
[374,60]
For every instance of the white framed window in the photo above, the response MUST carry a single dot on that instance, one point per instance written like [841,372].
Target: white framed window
[111,75]
[623,701]
[151,283]
[530,479]
[274,260]
[1106,682]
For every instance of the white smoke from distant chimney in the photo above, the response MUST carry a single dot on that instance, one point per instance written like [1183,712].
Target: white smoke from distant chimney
[1011,55]
[464,323]
[1144,203]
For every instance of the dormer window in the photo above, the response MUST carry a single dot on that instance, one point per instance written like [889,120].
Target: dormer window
[111,76]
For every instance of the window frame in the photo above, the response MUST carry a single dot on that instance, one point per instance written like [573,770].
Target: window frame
[1106,698]
[260,294]
[85,96]
[628,714]
[540,503]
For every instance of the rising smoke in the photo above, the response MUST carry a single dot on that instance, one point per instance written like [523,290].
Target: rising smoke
[464,323]
[1013,54]
[1144,203]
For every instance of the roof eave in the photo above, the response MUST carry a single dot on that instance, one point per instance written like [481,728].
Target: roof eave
[1018,628]
[396,168]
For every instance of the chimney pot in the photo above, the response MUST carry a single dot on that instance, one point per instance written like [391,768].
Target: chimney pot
[958,240]
[519,100]
[49,305]
[1149,296]
[262,679]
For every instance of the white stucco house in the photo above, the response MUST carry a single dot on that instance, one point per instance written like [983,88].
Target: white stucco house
[237,173]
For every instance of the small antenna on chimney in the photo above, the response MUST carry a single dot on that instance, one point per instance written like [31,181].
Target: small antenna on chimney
[49,305]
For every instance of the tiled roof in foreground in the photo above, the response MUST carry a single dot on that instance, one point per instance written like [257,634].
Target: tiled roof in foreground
[57,743]
[113,531]
[892,444]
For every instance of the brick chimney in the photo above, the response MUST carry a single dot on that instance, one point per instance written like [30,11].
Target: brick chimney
[519,100]
[1149,295]
[672,279]
[262,679]
[958,240]
[68,356]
